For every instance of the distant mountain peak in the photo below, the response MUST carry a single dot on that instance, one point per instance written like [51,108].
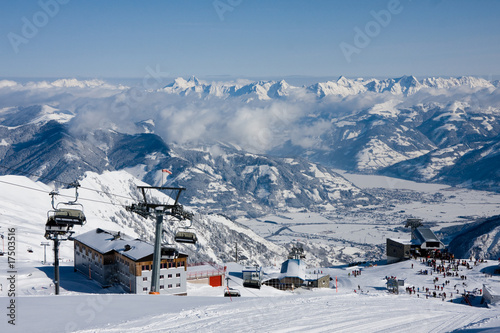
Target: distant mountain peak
[265,90]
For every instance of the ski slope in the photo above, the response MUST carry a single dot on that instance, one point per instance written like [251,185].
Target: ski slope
[83,307]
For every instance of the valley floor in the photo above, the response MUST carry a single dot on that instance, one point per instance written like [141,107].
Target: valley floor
[354,234]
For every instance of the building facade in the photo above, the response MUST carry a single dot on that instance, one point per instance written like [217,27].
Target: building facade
[113,258]
[398,250]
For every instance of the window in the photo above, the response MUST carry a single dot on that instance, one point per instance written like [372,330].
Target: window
[145,278]
[178,285]
[170,286]
[169,276]
[162,286]
[178,275]
[162,277]
[145,289]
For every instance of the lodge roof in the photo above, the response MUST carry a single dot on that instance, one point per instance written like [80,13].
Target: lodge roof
[105,241]
[425,235]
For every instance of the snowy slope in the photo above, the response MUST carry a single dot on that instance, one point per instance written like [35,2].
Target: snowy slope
[105,198]
[346,309]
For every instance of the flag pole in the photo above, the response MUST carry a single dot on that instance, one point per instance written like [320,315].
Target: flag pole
[163,171]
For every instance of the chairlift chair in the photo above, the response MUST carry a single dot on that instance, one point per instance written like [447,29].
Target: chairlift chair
[230,292]
[67,213]
[252,281]
[53,228]
[169,252]
[186,236]
[69,216]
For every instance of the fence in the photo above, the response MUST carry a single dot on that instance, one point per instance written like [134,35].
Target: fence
[214,271]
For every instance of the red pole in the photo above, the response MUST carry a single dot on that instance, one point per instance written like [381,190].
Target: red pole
[336,286]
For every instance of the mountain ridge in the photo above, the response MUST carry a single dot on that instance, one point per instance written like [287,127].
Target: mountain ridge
[264,90]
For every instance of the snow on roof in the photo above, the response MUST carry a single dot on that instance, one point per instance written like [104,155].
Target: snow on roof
[105,241]
[293,268]
[493,288]
[314,276]
[402,241]
[425,235]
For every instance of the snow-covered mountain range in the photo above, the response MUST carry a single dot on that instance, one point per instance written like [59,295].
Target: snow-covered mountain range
[434,130]
[266,90]
[219,178]
[253,148]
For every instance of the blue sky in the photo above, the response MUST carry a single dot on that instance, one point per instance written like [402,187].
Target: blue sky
[245,38]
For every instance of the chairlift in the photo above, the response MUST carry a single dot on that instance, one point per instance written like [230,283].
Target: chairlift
[253,281]
[67,213]
[186,236]
[68,216]
[169,252]
[52,228]
[231,292]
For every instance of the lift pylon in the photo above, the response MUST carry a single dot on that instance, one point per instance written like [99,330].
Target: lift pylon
[151,208]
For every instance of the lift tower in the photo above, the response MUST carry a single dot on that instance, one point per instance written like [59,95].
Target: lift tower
[148,208]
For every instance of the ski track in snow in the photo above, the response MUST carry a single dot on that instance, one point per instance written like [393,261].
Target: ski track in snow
[312,314]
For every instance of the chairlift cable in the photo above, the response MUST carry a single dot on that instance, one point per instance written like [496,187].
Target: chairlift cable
[23,186]
[64,183]
[62,195]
